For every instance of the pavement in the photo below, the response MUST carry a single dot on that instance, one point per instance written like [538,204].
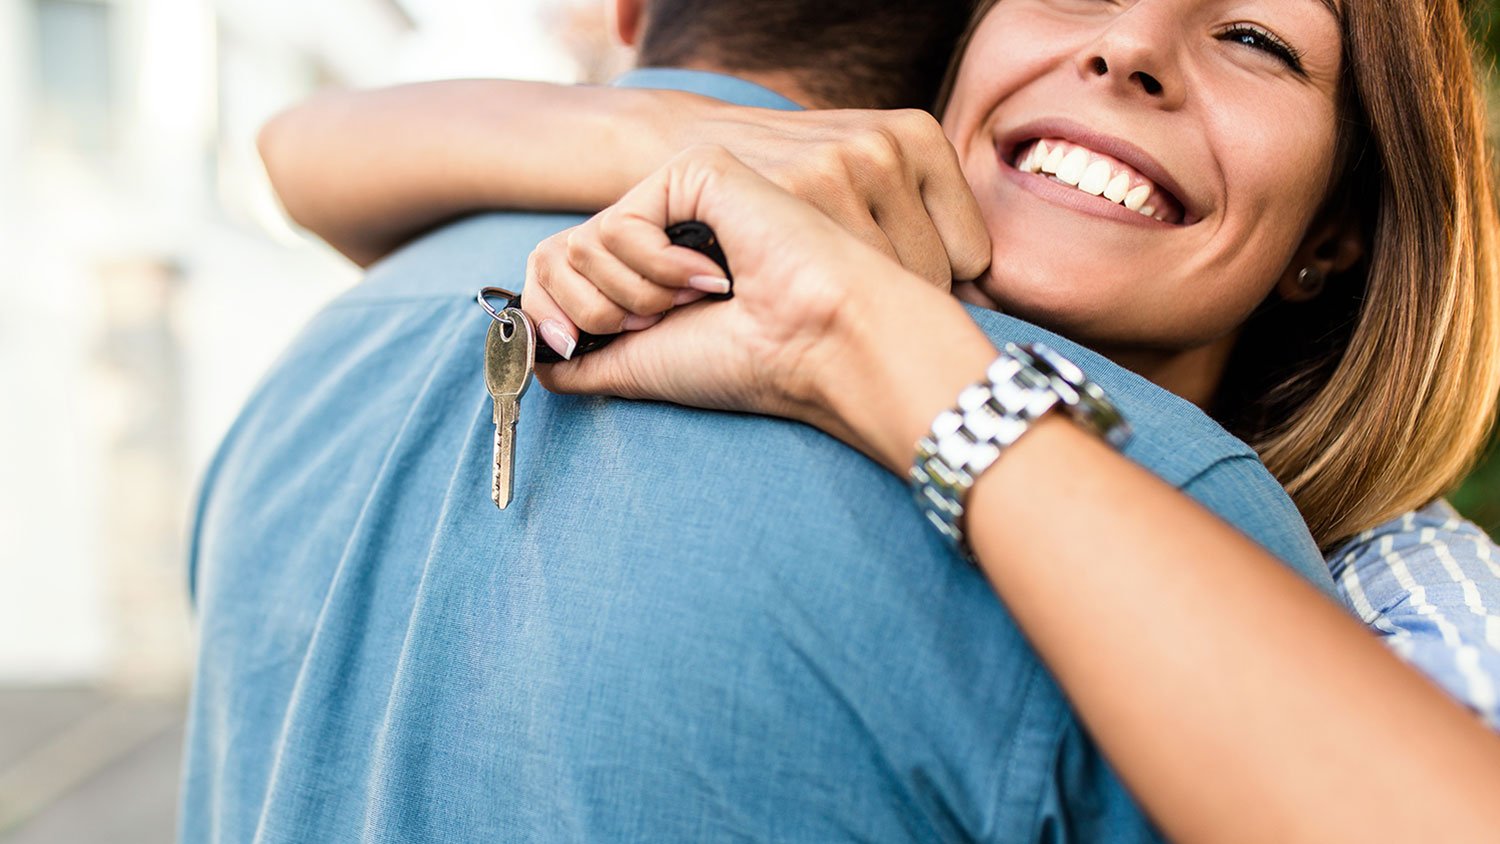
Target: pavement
[79,766]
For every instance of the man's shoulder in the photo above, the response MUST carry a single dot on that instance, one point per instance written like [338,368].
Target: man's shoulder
[1173,437]
[462,256]
[1185,447]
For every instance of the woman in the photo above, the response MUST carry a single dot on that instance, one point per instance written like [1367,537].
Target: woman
[1255,214]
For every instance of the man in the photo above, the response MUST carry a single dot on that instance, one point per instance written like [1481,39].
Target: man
[687,626]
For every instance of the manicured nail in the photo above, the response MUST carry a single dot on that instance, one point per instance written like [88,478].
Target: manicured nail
[709,283]
[687,297]
[636,322]
[554,335]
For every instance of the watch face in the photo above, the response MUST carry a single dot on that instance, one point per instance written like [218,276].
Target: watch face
[1089,404]
[1065,369]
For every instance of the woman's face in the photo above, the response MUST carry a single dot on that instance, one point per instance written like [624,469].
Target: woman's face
[1147,168]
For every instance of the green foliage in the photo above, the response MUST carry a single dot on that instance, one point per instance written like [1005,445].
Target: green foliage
[1484,24]
[1479,497]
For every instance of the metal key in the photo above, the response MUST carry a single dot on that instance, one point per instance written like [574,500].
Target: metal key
[509,357]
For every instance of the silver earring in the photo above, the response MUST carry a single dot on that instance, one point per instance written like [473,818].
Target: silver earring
[1310,280]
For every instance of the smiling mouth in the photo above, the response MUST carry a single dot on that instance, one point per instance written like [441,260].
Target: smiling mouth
[1098,175]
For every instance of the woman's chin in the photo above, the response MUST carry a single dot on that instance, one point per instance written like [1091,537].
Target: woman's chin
[1061,309]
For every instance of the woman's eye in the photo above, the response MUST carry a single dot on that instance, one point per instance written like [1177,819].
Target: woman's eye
[1265,41]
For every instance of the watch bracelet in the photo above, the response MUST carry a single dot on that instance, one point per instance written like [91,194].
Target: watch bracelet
[1020,386]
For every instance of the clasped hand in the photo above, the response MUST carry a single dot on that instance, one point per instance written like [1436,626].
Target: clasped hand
[807,296]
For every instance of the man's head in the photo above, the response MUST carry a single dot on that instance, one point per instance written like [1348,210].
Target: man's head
[840,53]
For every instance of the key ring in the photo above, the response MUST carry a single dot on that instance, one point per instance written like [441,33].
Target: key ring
[509,296]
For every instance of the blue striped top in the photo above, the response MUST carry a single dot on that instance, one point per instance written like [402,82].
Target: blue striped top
[1428,583]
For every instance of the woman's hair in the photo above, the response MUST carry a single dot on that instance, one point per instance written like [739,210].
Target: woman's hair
[1376,397]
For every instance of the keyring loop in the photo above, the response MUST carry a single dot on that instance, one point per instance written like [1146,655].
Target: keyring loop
[483,298]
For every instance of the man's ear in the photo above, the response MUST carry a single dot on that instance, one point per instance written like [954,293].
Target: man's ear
[1331,247]
[627,17]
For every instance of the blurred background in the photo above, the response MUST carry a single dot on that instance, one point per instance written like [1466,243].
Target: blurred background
[148,279]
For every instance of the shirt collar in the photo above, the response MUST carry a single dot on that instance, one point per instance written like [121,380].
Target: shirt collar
[730,89]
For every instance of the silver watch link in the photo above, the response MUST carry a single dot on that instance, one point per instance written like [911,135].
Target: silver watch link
[1021,386]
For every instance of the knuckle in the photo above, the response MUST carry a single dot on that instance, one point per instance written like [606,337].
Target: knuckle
[972,257]
[646,301]
[599,319]
[612,234]
[878,150]
[917,125]
[824,160]
[631,300]
[554,246]
[576,250]
[539,270]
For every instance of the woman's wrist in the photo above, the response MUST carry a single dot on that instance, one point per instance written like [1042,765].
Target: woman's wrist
[644,129]
[902,359]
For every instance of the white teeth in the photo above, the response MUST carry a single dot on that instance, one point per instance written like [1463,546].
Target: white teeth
[1054,160]
[1117,187]
[1096,178]
[1072,167]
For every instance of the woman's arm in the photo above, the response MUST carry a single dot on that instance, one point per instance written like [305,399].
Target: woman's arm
[1236,702]
[369,170]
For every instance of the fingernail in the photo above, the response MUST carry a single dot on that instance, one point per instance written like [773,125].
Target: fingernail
[709,283]
[636,322]
[687,297]
[554,335]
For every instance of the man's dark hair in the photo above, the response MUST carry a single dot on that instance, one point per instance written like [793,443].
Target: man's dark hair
[846,53]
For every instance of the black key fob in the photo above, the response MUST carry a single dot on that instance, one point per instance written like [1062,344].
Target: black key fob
[692,234]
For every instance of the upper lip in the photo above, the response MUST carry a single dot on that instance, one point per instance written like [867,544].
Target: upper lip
[1117,148]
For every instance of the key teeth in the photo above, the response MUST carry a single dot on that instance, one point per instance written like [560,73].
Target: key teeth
[503,484]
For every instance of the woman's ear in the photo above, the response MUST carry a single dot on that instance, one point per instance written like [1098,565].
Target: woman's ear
[626,17]
[1330,248]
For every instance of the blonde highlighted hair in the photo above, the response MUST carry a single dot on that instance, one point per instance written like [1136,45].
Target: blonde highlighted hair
[1378,397]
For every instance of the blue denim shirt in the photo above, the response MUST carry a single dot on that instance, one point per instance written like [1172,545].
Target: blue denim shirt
[688,626]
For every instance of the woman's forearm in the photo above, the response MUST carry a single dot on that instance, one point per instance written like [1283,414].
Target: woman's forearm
[369,170]
[1236,701]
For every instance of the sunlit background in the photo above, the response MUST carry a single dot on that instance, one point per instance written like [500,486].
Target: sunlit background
[147,278]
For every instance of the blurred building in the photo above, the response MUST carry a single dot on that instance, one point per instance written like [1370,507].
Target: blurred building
[149,277]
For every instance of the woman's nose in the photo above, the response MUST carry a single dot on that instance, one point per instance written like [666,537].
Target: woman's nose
[1136,54]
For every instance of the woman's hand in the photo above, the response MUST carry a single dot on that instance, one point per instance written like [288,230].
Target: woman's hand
[346,168]
[891,178]
[820,322]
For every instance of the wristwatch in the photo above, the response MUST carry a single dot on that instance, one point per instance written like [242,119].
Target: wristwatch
[1022,385]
